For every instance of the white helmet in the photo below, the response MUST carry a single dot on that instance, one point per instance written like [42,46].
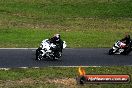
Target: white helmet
[57,37]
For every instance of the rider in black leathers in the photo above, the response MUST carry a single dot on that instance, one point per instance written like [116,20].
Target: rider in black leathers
[56,39]
[127,41]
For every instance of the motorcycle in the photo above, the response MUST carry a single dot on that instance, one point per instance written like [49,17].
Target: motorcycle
[121,48]
[45,51]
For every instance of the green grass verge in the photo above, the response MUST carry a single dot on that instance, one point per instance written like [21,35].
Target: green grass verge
[82,23]
[75,38]
[57,77]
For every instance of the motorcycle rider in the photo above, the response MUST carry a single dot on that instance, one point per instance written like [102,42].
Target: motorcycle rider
[127,40]
[56,39]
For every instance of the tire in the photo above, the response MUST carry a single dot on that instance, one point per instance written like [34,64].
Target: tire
[49,56]
[55,58]
[128,51]
[38,55]
[58,56]
[110,52]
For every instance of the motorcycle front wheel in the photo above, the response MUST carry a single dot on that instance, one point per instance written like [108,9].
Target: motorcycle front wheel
[111,52]
[38,55]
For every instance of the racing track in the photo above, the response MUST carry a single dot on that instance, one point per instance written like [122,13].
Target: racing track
[71,57]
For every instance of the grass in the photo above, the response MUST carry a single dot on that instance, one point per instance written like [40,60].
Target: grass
[82,23]
[20,37]
[57,77]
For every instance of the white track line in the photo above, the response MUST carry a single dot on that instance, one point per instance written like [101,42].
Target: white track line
[18,48]
[28,48]
[75,66]
[5,69]
[48,66]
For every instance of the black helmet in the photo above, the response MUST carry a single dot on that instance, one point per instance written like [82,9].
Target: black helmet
[128,36]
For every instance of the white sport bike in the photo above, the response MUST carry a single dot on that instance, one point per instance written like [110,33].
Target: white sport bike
[45,52]
[121,48]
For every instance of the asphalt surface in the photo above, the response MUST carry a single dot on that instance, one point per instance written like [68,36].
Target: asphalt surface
[71,57]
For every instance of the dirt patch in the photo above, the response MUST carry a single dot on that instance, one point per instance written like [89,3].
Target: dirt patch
[69,82]
[26,81]
[15,83]
[59,82]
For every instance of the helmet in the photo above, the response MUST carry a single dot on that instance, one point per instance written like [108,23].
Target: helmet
[57,37]
[127,35]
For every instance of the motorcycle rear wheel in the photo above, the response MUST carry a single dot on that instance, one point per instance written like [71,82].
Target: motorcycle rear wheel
[38,55]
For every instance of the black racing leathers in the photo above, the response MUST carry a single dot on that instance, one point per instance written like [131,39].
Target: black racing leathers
[128,43]
[59,45]
[126,40]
